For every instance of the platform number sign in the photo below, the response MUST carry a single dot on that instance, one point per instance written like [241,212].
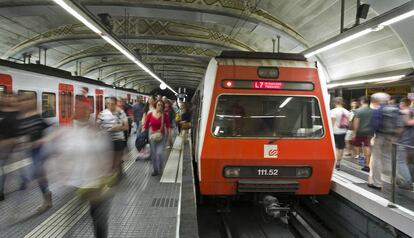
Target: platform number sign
[271,151]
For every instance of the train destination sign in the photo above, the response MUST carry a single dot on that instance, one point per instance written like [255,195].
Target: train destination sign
[267,85]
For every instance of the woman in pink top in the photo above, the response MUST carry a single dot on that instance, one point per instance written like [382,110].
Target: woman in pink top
[157,121]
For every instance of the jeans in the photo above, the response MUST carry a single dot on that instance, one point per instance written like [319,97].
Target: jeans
[403,173]
[38,158]
[157,149]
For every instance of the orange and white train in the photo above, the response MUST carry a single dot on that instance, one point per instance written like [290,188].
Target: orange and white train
[55,91]
[261,125]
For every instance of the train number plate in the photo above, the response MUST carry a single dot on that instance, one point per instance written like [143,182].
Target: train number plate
[267,172]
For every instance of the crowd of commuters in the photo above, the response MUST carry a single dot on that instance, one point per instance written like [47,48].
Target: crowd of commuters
[88,153]
[371,126]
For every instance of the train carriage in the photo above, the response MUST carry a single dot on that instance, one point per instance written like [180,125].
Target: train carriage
[261,125]
[56,91]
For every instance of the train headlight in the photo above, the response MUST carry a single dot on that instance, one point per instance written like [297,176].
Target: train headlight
[304,172]
[232,172]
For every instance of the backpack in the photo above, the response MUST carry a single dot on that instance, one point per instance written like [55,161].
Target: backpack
[343,121]
[141,140]
[390,117]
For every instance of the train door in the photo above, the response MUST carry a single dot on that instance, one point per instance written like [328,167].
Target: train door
[65,104]
[6,83]
[99,101]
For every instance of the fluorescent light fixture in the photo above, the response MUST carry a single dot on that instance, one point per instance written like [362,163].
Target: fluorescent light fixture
[287,100]
[356,82]
[163,86]
[78,16]
[216,131]
[110,40]
[398,18]
[340,42]
[397,14]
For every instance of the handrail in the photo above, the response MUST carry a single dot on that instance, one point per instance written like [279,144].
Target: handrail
[394,170]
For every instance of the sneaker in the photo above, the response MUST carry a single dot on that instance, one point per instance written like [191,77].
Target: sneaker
[154,174]
[366,169]
[338,167]
[373,186]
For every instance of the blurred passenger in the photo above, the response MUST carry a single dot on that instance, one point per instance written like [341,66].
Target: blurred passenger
[387,124]
[84,156]
[157,123]
[8,133]
[404,179]
[159,97]
[339,117]
[32,126]
[363,131]
[151,103]
[138,112]
[350,132]
[82,105]
[171,116]
[185,120]
[164,99]
[127,109]
[114,121]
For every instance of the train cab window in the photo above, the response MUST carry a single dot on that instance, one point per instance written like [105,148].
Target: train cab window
[48,105]
[265,116]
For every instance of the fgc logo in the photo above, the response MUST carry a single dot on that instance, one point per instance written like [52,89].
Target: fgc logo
[271,151]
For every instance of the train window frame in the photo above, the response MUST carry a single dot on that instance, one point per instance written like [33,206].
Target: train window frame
[274,137]
[20,92]
[54,105]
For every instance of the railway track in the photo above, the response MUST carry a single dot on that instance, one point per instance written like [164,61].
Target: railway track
[244,221]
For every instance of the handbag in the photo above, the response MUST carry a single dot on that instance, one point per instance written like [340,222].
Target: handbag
[142,140]
[186,125]
[157,136]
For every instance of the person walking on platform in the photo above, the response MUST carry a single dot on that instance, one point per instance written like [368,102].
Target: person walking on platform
[185,120]
[8,133]
[115,122]
[340,122]
[157,123]
[351,132]
[404,179]
[138,112]
[387,124]
[363,131]
[32,126]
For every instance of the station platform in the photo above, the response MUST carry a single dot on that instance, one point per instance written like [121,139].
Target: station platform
[351,183]
[143,205]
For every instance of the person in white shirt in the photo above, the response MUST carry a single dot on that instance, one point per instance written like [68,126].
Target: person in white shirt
[340,123]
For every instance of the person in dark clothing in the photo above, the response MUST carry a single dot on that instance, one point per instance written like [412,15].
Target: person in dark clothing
[8,133]
[138,112]
[32,127]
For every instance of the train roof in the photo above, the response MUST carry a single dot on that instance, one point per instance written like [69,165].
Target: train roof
[50,71]
[260,55]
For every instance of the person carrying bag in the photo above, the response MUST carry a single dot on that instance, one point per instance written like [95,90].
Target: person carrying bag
[157,123]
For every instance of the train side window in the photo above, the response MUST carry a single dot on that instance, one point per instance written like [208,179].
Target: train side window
[32,94]
[48,105]
[69,101]
[2,89]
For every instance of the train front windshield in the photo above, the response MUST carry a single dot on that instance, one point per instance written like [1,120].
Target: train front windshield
[266,116]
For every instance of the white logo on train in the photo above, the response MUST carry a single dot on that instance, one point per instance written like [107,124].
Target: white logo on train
[271,151]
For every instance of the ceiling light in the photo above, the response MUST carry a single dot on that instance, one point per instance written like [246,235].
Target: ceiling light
[108,38]
[398,18]
[340,42]
[377,23]
[356,82]
[163,86]
[78,16]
